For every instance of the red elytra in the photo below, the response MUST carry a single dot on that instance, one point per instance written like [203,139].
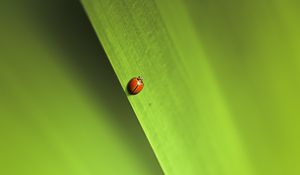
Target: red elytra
[135,85]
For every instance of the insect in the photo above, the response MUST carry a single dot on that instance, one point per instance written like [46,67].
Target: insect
[135,85]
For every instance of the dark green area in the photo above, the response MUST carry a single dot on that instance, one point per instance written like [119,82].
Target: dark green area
[62,110]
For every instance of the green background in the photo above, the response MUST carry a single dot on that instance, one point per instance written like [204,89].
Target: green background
[62,110]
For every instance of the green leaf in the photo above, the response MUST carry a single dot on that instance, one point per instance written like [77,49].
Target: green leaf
[221,91]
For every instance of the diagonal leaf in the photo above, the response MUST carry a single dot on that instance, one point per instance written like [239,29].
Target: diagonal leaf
[219,98]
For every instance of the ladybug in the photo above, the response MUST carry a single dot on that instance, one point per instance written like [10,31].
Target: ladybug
[135,85]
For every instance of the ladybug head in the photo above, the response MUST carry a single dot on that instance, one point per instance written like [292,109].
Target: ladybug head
[140,78]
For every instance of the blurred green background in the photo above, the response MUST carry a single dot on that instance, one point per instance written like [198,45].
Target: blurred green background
[62,110]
